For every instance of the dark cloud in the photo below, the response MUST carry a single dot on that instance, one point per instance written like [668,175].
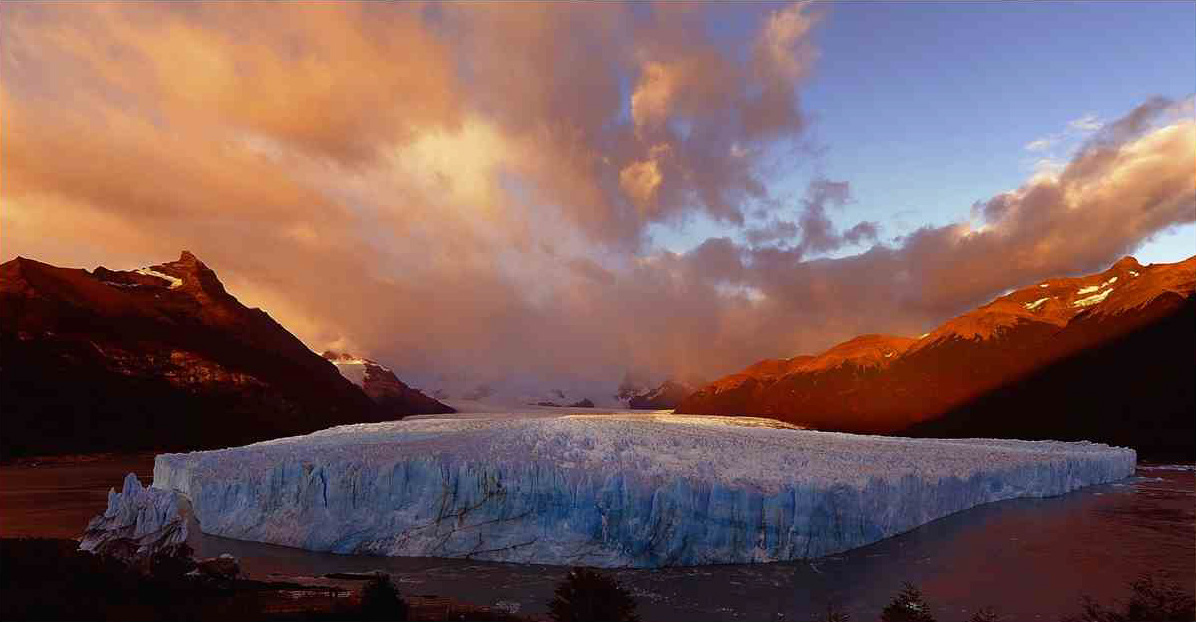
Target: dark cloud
[814,232]
[775,231]
[862,232]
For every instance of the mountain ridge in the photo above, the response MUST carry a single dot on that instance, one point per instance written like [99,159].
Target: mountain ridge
[153,358]
[848,388]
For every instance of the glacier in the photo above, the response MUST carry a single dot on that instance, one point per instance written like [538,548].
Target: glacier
[607,490]
[138,522]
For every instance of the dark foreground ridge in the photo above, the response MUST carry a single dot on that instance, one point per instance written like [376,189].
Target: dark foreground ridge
[47,579]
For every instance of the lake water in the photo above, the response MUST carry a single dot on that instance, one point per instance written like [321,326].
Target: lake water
[1031,558]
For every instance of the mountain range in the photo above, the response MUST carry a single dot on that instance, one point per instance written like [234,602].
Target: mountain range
[164,358]
[1106,357]
[159,358]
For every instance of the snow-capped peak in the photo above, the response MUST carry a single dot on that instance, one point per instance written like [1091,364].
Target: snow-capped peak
[352,367]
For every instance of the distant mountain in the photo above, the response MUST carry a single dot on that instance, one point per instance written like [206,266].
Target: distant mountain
[668,395]
[156,358]
[1029,364]
[381,384]
[583,403]
[514,392]
[632,385]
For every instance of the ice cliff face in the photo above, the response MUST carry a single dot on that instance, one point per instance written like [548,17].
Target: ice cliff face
[139,522]
[608,490]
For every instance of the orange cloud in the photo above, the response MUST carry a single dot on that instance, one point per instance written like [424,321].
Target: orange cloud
[334,80]
[466,188]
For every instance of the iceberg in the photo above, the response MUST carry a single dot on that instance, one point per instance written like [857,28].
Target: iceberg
[613,490]
[138,523]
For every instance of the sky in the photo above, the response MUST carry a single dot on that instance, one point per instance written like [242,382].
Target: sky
[570,192]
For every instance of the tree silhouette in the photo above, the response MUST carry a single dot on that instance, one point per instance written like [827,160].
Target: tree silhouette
[907,606]
[171,563]
[984,614]
[589,596]
[380,600]
[834,614]
[1152,598]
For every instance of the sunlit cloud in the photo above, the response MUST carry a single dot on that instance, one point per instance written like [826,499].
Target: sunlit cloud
[1042,144]
[470,189]
[1086,123]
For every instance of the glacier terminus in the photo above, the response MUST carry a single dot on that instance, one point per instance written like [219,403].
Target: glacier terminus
[605,490]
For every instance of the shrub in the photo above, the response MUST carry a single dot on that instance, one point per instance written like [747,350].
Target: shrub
[171,564]
[380,600]
[834,614]
[1152,598]
[907,606]
[589,596]
[984,614]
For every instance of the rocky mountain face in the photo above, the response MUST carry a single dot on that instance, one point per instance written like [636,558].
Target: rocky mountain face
[156,358]
[1029,364]
[381,384]
[1136,389]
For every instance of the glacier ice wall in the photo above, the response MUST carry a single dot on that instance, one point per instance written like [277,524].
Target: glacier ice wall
[138,522]
[610,490]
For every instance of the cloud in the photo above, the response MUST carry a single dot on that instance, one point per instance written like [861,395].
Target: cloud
[465,189]
[653,97]
[862,232]
[1132,124]
[1086,123]
[785,31]
[640,180]
[775,231]
[813,232]
[1042,144]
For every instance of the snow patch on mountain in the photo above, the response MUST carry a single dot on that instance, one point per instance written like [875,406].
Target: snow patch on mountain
[1093,299]
[1095,288]
[1030,306]
[174,281]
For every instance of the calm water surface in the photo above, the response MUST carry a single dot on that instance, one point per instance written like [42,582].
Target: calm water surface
[1031,558]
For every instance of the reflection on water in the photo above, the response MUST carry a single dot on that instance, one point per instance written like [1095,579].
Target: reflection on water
[1031,558]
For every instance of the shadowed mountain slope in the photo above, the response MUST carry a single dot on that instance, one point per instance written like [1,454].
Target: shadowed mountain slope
[156,358]
[1020,358]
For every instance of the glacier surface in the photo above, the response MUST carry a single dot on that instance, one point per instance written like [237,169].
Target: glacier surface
[609,490]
